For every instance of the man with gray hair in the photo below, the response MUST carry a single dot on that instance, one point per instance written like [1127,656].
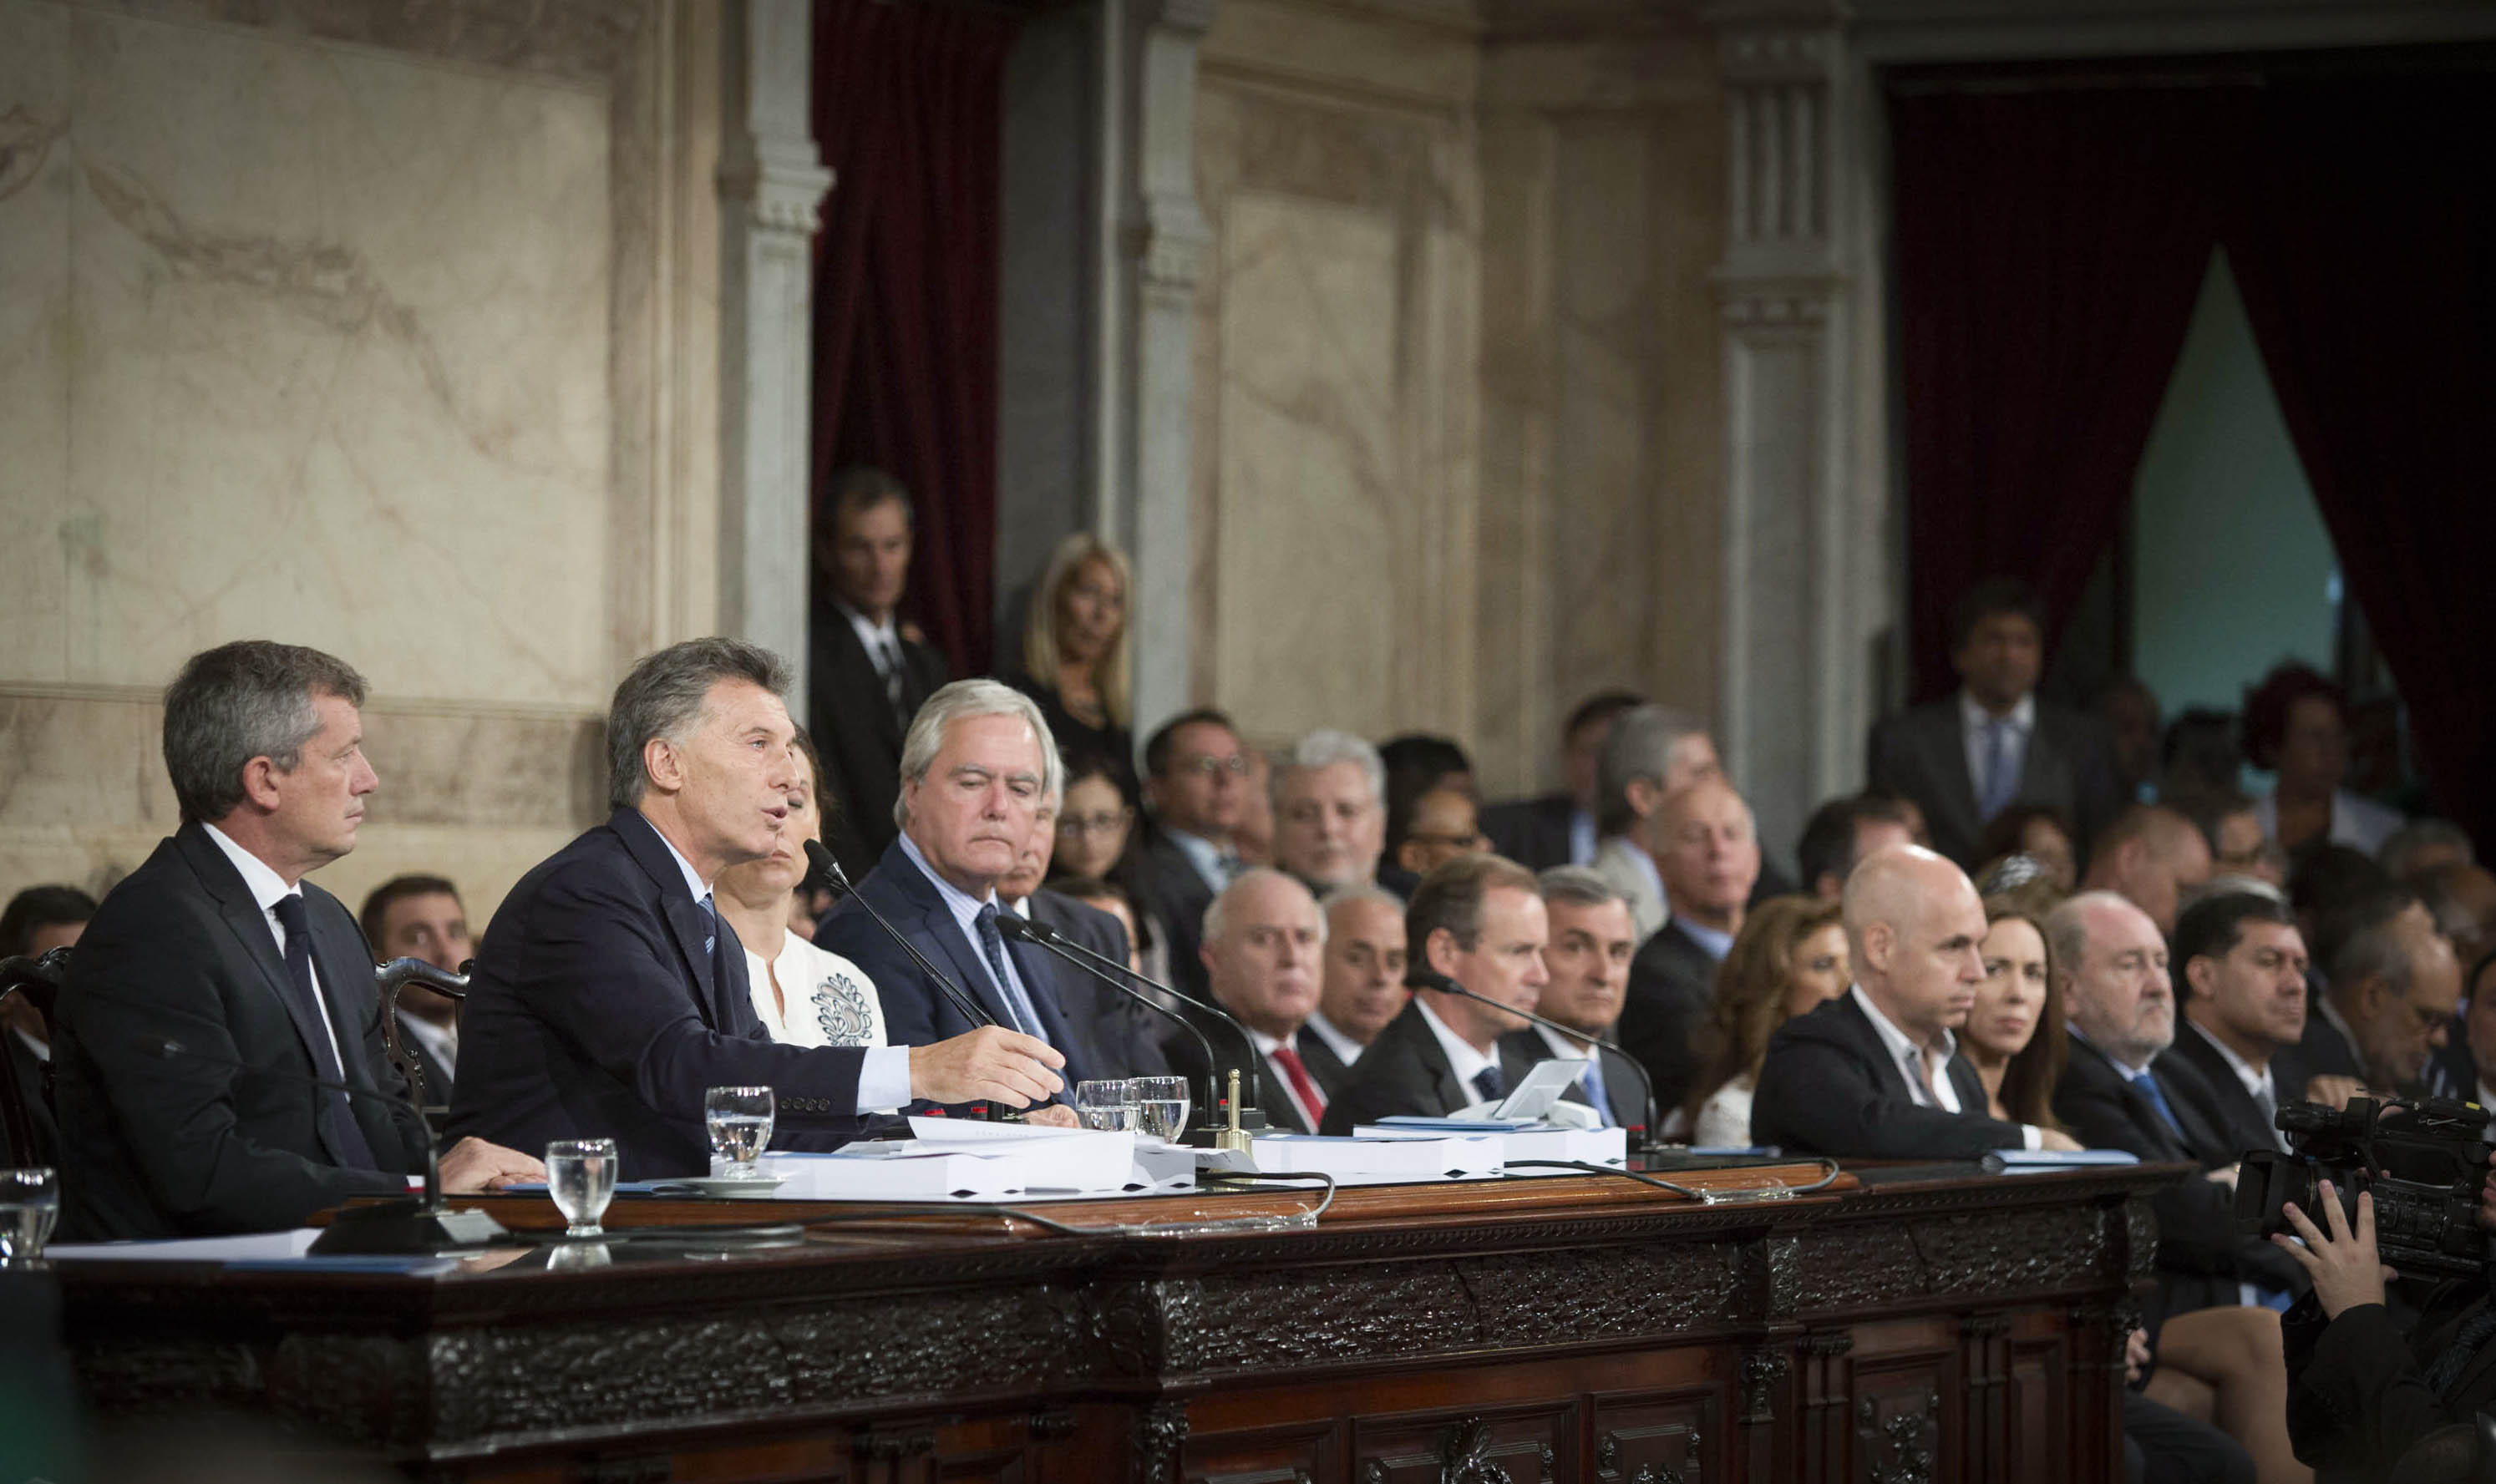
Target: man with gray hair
[609,993]
[1653,752]
[1263,942]
[1588,960]
[976,769]
[1329,811]
[218,941]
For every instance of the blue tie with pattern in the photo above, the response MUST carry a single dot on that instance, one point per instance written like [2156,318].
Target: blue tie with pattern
[992,942]
[1592,1080]
[1489,1084]
[2001,779]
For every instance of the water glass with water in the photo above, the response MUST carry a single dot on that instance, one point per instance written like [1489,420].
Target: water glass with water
[1160,1107]
[30,1200]
[580,1176]
[740,1120]
[1109,1105]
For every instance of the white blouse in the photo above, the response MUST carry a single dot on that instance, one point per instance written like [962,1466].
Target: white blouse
[831,1001]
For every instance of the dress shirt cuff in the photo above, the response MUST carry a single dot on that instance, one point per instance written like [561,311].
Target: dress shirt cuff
[2031,1136]
[883,1078]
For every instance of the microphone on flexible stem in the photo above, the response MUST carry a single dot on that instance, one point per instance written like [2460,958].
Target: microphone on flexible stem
[1104,966]
[1042,936]
[829,872]
[1422,976]
[397,1227]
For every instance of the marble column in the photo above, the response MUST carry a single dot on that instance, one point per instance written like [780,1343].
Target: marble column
[1796,614]
[772,182]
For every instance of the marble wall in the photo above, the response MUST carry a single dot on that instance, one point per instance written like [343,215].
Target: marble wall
[336,324]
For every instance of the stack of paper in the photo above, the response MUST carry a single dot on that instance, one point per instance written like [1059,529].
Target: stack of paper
[960,1159]
[1379,1153]
[1518,1140]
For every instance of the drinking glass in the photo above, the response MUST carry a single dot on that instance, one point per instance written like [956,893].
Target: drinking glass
[30,1200]
[1160,1107]
[740,1122]
[580,1176]
[1109,1105]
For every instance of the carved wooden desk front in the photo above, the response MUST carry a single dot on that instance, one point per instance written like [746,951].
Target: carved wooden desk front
[1944,1326]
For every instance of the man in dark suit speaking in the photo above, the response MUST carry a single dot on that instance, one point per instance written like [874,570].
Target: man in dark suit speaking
[609,995]
[215,989]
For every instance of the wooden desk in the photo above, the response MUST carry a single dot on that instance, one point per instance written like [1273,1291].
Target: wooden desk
[1935,1327]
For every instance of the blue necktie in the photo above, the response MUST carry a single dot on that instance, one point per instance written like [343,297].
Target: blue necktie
[2001,781]
[710,929]
[992,942]
[1489,1083]
[350,1138]
[1592,1080]
[2147,1086]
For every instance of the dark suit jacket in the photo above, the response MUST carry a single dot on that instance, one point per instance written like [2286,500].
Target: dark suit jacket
[1119,1038]
[1404,1072]
[1923,754]
[915,1012]
[2356,1395]
[859,734]
[2323,1052]
[593,1012]
[1672,990]
[1178,896]
[1532,832]
[32,1074]
[1186,1059]
[170,1145]
[2242,1122]
[1829,1088]
[1622,1087]
[2201,1258]
[1328,1069]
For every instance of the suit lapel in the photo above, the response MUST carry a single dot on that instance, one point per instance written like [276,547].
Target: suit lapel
[249,925]
[686,922]
[1040,984]
[1451,1094]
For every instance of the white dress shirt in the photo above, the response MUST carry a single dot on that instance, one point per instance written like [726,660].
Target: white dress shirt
[1716,941]
[1975,723]
[882,641]
[2359,823]
[1345,1048]
[2257,1080]
[1903,1053]
[267,888]
[1202,854]
[1462,1056]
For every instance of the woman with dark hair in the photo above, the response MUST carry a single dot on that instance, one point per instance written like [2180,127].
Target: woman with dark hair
[2038,831]
[1076,651]
[1790,956]
[1096,842]
[2015,1035]
[2296,726]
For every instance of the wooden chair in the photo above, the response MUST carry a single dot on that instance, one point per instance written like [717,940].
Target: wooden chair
[391,977]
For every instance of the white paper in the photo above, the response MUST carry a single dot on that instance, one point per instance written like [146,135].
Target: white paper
[252,1247]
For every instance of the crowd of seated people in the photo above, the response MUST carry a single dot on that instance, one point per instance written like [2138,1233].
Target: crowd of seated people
[2037,928]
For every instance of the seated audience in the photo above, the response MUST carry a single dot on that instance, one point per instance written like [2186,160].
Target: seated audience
[1479,920]
[2199,755]
[1840,833]
[2243,979]
[609,995]
[2480,1028]
[1419,761]
[2015,1036]
[1586,965]
[2128,710]
[1114,1034]
[2392,986]
[2150,856]
[1875,1072]
[214,990]
[1096,843]
[1559,829]
[36,921]
[1264,939]
[421,917]
[868,672]
[1329,812]
[2296,726]
[1434,828]
[1653,752]
[1996,744]
[1110,898]
[1788,959]
[804,995]
[1708,857]
[2040,832]
[1197,782]
[2231,829]
[2420,848]
[1075,643]
[2461,899]
[1362,988]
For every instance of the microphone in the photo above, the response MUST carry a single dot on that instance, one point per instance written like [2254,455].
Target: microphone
[829,871]
[1048,937]
[1041,936]
[1422,976]
[401,1227]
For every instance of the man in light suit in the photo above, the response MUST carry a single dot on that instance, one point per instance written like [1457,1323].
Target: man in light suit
[1994,744]
[1875,1073]
[976,769]
[867,677]
[214,988]
[611,994]
[1587,963]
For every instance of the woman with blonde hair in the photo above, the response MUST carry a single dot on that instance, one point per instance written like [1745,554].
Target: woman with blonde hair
[1076,654]
[1790,956]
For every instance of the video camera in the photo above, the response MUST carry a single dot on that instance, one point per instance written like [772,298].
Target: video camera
[2423,1160]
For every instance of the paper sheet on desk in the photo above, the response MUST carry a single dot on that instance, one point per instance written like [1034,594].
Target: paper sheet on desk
[251,1247]
[959,1159]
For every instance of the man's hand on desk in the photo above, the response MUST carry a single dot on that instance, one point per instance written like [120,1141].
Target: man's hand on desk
[472,1165]
[1057,1115]
[991,1062]
[2056,1138]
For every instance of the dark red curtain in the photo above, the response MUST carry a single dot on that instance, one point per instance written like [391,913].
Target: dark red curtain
[2050,243]
[906,116]
[2364,240]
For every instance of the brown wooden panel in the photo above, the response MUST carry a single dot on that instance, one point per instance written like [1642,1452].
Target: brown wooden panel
[1678,1436]
[1300,1453]
[1469,1448]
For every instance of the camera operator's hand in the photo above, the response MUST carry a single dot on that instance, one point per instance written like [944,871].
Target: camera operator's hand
[2346,1269]
[2332,1092]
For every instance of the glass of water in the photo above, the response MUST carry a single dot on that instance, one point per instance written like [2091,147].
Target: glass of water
[740,1122]
[30,1200]
[580,1176]
[1160,1107]
[1109,1105]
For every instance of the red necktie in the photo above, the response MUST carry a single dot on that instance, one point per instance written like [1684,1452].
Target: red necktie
[1311,1100]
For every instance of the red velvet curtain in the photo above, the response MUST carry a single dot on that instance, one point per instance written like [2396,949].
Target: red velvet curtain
[2363,238]
[2050,244]
[906,116]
